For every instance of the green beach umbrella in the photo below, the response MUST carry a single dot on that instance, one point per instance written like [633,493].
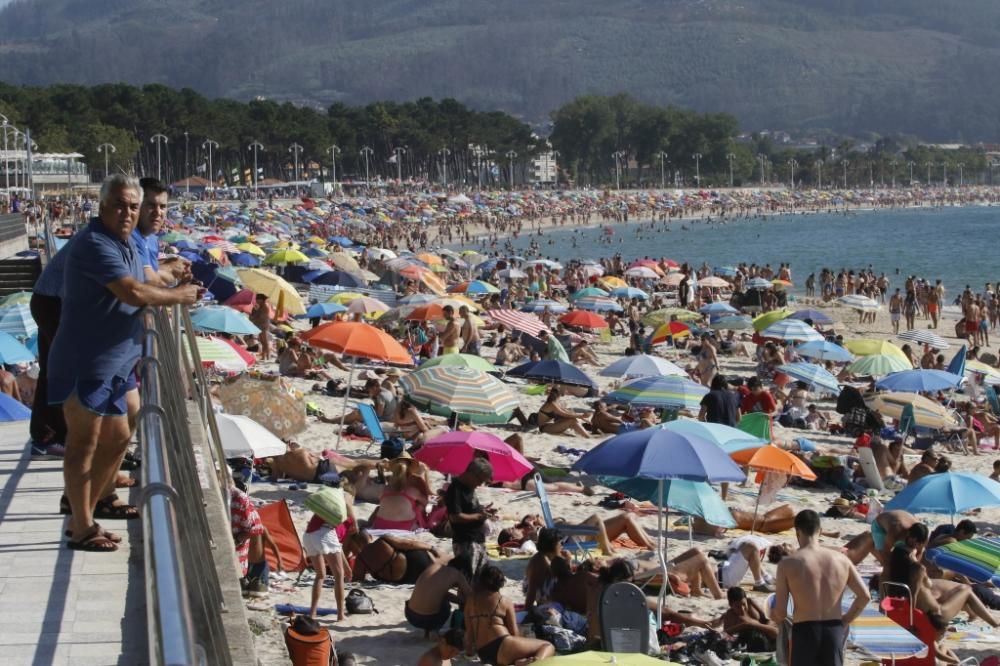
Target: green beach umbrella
[658,318]
[768,318]
[877,365]
[459,360]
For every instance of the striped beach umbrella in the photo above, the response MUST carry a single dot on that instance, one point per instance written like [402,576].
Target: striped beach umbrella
[470,395]
[791,329]
[878,365]
[926,413]
[540,304]
[597,304]
[588,292]
[813,375]
[221,354]
[17,320]
[13,352]
[660,317]
[858,302]
[660,392]
[867,346]
[518,321]
[473,287]
[461,360]
[731,323]
[757,283]
[642,365]
[925,337]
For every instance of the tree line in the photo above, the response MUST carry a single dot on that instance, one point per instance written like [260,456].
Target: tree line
[599,141]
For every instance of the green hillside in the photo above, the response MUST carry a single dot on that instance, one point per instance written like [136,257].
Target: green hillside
[911,66]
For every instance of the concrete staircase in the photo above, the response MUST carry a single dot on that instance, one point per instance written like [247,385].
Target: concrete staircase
[18,274]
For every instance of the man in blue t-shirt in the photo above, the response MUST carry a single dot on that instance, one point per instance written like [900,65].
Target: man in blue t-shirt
[93,358]
[152,215]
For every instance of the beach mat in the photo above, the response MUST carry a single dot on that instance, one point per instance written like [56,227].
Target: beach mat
[278,521]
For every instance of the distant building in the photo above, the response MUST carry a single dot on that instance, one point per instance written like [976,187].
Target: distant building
[50,172]
[544,168]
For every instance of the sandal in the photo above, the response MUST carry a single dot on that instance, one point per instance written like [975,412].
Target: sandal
[110,536]
[107,509]
[95,542]
[129,463]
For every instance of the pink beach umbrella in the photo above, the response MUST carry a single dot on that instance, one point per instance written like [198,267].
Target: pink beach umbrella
[452,452]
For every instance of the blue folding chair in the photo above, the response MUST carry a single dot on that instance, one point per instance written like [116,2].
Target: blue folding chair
[577,546]
[372,424]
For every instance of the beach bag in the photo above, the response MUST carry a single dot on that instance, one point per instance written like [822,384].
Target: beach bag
[359,603]
[328,503]
[308,644]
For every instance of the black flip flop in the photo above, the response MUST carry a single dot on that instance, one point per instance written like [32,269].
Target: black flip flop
[93,543]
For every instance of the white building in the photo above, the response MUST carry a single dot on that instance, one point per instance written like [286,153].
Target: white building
[544,168]
[49,171]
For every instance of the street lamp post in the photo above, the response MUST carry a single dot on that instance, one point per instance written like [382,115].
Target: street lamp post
[911,164]
[892,165]
[106,148]
[845,163]
[961,174]
[791,171]
[255,146]
[944,174]
[663,159]
[210,144]
[334,149]
[511,156]
[6,163]
[444,153]
[399,151]
[819,173]
[928,164]
[697,169]
[761,157]
[159,140]
[618,155]
[366,152]
[187,165]
[871,174]
[296,150]
[732,158]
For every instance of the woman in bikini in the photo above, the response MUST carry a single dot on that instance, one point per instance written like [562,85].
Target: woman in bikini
[409,424]
[390,559]
[554,419]
[403,503]
[491,627]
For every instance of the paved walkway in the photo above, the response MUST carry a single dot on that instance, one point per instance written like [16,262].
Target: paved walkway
[59,606]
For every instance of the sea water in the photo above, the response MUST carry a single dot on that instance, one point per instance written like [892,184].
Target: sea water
[956,245]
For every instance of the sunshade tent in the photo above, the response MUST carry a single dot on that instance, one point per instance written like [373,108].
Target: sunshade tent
[466,394]
[222,319]
[241,436]
[452,452]
[282,295]
[948,493]
[660,392]
[642,365]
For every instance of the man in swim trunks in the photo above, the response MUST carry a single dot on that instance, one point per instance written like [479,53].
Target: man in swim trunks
[896,310]
[934,297]
[887,528]
[450,334]
[94,354]
[816,579]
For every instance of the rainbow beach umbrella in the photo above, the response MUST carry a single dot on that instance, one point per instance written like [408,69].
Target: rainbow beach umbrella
[660,392]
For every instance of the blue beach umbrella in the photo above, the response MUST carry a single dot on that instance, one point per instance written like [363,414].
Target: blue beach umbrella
[731,440]
[597,304]
[559,372]
[629,292]
[32,344]
[825,350]
[12,351]
[642,365]
[334,279]
[957,364]
[322,310]
[815,316]
[695,498]
[222,319]
[813,375]
[949,492]
[244,259]
[718,309]
[919,381]
[17,320]
[12,410]
[725,271]
[791,329]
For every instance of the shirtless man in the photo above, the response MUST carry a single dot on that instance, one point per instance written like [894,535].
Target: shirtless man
[470,334]
[450,335]
[887,528]
[429,606]
[816,578]
[889,459]
[299,464]
[895,310]
[971,312]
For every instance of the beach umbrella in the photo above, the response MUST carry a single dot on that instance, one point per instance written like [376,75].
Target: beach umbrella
[824,350]
[612,282]
[540,304]
[589,292]
[334,279]
[462,360]
[559,372]
[518,321]
[713,282]
[919,381]
[417,299]
[429,312]
[672,329]
[757,283]
[660,317]
[282,295]
[948,492]
[250,248]
[583,319]
[367,306]
[957,364]
[642,365]
[718,309]
[13,352]
[629,292]
[926,413]
[242,437]
[344,297]
[244,260]
[597,303]
[512,274]
[12,410]
[15,298]
[878,365]
[273,404]
[770,458]
[815,316]
[660,392]
[642,272]
[731,323]
[725,271]
[473,287]
[429,259]
[813,375]
[32,344]
[725,437]
[286,256]
[322,310]
[547,263]
[694,498]
[222,354]
[452,452]
[222,319]
[16,320]
[858,302]
[977,558]
[768,318]
[466,394]
[791,329]
[868,346]
[925,337]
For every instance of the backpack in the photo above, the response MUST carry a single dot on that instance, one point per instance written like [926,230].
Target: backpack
[328,503]
[359,603]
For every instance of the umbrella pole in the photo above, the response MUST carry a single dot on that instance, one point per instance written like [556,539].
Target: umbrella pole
[756,505]
[347,394]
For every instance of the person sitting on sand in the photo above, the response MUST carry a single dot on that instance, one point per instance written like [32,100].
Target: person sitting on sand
[554,419]
[450,644]
[383,401]
[429,606]
[491,626]
[748,622]
[538,578]
[409,424]
[402,505]
[927,465]
[582,353]
[390,559]
[603,422]
[889,459]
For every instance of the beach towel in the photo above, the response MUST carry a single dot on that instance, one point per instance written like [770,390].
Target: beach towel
[278,520]
[294,609]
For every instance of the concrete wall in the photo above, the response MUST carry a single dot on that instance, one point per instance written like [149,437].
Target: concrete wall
[13,235]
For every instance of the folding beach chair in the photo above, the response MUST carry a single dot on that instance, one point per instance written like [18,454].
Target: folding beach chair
[901,611]
[624,618]
[278,521]
[372,424]
[577,546]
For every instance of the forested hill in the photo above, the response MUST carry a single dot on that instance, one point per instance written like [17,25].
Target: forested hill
[923,67]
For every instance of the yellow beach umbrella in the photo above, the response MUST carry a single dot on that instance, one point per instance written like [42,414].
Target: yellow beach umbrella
[286,256]
[612,282]
[429,259]
[868,346]
[768,318]
[344,262]
[343,298]
[282,295]
[250,248]
[286,245]
[434,283]
[926,413]
[316,240]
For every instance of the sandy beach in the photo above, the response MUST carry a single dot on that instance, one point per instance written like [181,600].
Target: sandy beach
[386,638]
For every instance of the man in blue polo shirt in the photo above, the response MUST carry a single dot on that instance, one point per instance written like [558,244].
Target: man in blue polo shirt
[152,215]
[94,353]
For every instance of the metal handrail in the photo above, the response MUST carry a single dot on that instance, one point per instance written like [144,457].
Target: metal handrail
[168,611]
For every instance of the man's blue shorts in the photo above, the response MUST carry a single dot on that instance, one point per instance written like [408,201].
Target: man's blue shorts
[102,397]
